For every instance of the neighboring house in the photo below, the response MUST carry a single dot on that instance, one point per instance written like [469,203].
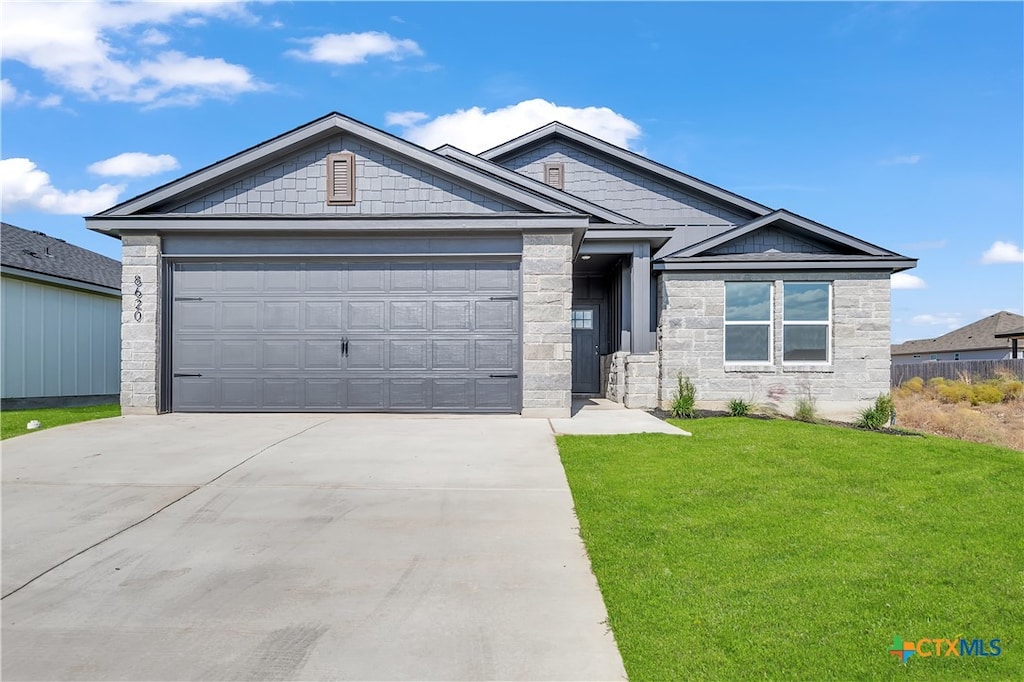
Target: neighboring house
[990,338]
[61,322]
[337,267]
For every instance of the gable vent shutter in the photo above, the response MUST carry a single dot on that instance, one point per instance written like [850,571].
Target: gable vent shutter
[341,178]
[553,175]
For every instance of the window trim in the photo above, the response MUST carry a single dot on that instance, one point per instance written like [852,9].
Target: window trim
[551,165]
[808,323]
[350,159]
[770,323]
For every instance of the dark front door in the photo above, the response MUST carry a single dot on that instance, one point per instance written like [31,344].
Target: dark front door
[586,368]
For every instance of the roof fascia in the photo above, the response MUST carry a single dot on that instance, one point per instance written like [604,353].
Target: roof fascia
[650,167]
[569,200]
[890,265]
[322,127]
[19,273]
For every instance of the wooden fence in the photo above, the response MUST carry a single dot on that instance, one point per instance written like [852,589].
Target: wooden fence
[977,370]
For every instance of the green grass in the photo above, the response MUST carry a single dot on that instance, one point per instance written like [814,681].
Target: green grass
[783,550]
[12,422]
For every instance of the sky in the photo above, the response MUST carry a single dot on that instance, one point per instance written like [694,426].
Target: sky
[899,123]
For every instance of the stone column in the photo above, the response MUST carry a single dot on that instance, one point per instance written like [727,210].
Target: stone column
[547,336]
[140,324]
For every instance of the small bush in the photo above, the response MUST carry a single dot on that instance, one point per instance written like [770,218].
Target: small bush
[684,399]
[987,392]
[954,392]
[1013,390]
[915,385]
[879,415]
[936,382]
[806,410]
[739,407]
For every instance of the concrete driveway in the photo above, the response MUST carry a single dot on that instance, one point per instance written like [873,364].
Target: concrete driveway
[275,547]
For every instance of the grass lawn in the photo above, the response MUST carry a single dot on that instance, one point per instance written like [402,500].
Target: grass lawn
[783,550]
[12,422]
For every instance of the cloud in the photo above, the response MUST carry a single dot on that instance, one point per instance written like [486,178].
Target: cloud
[904,280]
[354,48]
[28,187]
[476,129]
[11,96]
[8,93]
[82,48]
[134,165]
[907,160]
[404,119]
[949,320]
[1002,252]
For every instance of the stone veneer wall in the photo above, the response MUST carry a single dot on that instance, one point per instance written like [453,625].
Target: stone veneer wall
[631,379]
[691,340]
[140,340]
[547,336]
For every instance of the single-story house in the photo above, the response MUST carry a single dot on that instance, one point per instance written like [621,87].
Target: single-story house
[990,338]
[60,339]
[337,267]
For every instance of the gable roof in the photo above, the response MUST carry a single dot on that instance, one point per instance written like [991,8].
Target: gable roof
[557,130]
[843,251]
[264,153]
[528,183]
[36,252]
[980,335]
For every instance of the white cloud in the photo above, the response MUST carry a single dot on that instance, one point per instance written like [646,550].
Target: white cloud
[404,119]
[1003,252]
[27,187]
[152,36]
[949,320]
[81,47]
[134,165]
[905,160]
[904,280]
[476,129]
[8,93]
[354,48]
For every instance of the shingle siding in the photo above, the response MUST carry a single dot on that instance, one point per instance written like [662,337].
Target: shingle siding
[768,239]
[620,189]
[384,185]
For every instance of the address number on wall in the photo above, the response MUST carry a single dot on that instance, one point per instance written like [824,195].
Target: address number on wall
[138,298]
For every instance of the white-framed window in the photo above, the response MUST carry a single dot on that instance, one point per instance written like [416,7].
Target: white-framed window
[933,357]
[806,322]
[748,322]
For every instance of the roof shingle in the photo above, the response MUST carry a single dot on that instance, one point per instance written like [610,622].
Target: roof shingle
[37,252]
[975,336]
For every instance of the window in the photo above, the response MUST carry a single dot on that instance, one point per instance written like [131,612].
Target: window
[933,357]
[583,318]
[554,175]
[806,321]
[956,356]
[748,322]
[341,181]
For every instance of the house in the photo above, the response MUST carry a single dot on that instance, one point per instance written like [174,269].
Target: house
[337,267]
[61,322]
[990,338]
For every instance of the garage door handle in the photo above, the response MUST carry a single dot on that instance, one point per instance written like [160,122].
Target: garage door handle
[503,376]
[504,298]
[186,374]
[188,298]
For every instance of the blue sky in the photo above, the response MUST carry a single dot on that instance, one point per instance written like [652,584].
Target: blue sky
[900,123]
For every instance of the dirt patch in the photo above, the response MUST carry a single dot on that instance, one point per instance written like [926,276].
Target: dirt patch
[999,424]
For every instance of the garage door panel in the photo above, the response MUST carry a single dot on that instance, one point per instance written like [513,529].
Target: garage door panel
[412,336]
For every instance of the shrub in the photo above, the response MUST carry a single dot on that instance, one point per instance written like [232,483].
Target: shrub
[878,415]
[684,399]
[954,392]
[739,407]
[806,410]
[936,382]
[915,385]
[1013,390]
[987,392]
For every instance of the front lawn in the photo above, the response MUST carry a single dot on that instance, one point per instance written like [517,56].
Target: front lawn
[13,422]
[783,550]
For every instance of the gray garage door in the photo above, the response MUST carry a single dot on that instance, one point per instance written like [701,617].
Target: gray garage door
[360,337]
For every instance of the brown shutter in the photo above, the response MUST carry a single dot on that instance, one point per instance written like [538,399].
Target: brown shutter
[554,175]
[341,186]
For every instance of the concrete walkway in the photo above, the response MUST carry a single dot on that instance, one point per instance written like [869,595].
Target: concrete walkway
[274,547]
[601,417]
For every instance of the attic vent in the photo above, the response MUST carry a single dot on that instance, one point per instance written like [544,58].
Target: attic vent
[341,181]
[554,175]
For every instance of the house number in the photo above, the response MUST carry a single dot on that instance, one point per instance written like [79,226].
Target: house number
[138,298]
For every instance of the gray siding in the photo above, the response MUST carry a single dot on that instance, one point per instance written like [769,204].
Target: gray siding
[760,241]
[948,356]
[384,185]
[58,342]
[620,189]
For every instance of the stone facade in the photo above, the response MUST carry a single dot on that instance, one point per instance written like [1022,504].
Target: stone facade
[547,337]
[641,381]
[140,324]
[691,341]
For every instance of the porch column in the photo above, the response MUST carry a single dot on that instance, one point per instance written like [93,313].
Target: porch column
[640,294]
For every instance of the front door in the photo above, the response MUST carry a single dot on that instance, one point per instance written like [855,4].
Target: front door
[586,368]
